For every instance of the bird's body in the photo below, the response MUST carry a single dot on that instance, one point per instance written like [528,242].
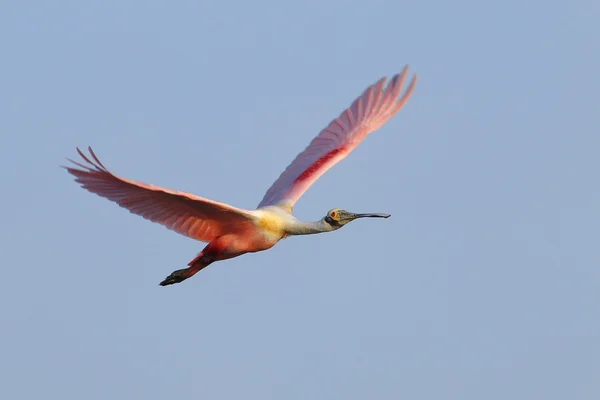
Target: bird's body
[231,231]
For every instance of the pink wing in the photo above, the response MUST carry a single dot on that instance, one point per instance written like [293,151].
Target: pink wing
[368,113]
[185,213]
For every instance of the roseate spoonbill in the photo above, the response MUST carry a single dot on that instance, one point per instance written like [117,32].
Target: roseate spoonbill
[231,231]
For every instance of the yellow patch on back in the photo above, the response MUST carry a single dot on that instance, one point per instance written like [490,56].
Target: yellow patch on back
[271,224]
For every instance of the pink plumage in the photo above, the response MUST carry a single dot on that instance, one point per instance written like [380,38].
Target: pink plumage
[232,231]
[368,113]
[185,213]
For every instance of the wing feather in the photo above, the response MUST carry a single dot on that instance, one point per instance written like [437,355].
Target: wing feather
[366,114]
[185,213]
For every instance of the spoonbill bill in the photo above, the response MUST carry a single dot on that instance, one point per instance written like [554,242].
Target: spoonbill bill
[231,231]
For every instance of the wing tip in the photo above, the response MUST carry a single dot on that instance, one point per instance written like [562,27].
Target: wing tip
[95,165]
[404,72]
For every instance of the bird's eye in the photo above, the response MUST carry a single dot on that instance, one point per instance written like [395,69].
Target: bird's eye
[333,214]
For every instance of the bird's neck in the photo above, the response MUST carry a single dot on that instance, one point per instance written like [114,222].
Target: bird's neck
[309,228]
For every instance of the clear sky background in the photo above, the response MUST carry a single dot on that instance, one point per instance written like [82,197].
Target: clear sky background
[484,284]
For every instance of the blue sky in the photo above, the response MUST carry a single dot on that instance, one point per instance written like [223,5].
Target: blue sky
[482,285]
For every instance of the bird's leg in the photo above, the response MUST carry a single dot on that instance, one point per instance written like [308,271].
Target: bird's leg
[182,274]
[211,253]
[176,277]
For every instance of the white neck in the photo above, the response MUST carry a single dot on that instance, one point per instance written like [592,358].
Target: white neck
[309,228]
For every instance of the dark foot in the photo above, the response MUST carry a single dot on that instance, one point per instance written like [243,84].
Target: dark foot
[176,277]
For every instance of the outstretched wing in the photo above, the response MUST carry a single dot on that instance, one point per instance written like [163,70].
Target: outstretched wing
[185,213]
[368,113]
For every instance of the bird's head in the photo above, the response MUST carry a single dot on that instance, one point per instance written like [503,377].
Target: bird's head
[337,217]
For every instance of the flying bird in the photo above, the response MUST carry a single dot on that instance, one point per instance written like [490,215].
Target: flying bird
[231,231]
